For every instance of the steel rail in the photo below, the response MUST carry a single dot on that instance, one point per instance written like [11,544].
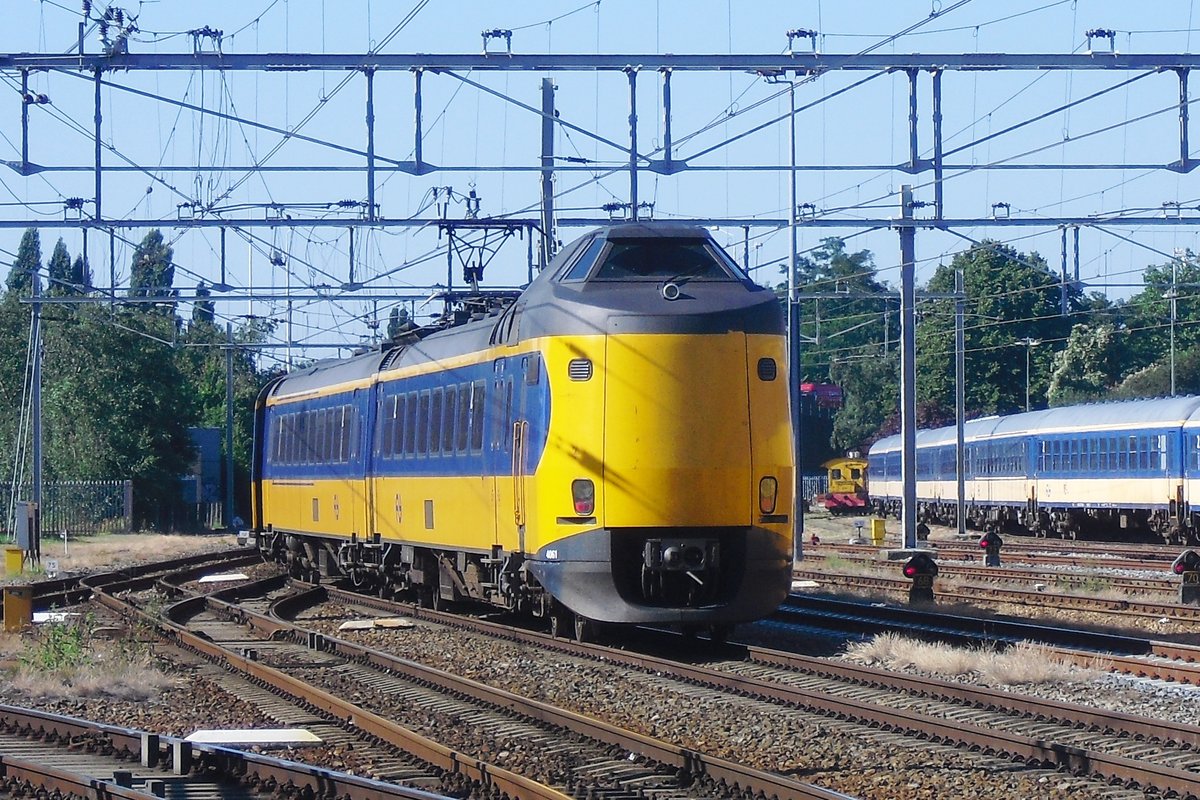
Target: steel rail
[487,775]
[693,763]
[152,750]
[1010,574]
[45,779]
[68,591]
[1125,608]
[1145,658]
[1032,749]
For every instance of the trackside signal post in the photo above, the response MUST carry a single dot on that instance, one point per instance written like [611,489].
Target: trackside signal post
[921,569]
[1187,567]
[991,543]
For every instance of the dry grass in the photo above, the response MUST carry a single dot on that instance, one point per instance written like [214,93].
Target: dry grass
[60,660]
[125,681]
[105,551]
[1023,663]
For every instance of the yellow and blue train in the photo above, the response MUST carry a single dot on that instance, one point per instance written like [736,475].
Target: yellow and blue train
[612,446]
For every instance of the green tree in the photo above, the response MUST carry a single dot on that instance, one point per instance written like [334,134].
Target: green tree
[1087,367]
[1155,380]
[203,310]
[1146,316]
[59,270]
[870,395]
[848,320]
[1010,296]
[81,276]
[202,362]
[153,271]
[27,264]
[116,405]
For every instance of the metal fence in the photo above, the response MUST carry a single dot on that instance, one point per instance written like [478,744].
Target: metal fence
[75,507]
[813,485]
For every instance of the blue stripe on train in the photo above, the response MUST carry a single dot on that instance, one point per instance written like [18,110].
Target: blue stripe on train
[495,458]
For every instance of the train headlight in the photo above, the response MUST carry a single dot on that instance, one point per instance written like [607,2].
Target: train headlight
[768,491]
[583,493]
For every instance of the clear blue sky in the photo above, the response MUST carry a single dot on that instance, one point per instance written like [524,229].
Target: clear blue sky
[464,126]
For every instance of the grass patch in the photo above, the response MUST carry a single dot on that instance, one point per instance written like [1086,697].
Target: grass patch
[68,660]
[1023,663]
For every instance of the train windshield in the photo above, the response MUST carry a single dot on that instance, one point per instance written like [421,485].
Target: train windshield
[655,259]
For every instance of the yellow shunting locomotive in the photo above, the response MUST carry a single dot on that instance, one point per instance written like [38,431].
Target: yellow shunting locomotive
[610,446]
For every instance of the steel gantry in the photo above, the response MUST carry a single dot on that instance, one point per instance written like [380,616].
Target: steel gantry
[105,71]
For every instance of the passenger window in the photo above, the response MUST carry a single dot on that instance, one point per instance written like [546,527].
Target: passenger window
[435,423]
[302,438]
[398,427]
[464,417]
[448,421]
[410,424]
[388,428]
[478,397]
[423,425]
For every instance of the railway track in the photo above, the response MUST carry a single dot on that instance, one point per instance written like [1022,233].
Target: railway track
[243,634]
[835,532]
[1111,606]
[1132,655]
[972,551]
[259,637]
[53,756]
[1081,580]
[1024,728]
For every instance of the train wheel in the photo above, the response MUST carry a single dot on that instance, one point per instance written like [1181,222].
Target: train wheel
[719,634]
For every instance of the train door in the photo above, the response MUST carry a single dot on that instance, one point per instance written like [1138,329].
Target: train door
[520,445]
[362,436]
[501,445]
[1161,447]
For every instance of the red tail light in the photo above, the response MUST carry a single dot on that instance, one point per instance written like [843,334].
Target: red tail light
[583,493]
[768,490]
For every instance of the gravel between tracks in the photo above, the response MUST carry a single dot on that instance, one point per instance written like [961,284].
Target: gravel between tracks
[844,756]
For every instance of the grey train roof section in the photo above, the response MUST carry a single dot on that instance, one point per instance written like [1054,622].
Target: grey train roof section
[1145,413]
[550,306]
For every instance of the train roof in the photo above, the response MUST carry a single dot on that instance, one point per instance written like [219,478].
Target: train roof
[1143,413]
[725,300]
[327,372]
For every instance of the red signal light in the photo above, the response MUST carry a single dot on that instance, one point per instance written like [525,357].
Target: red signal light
[920,564]
[983,542]
[1188,561]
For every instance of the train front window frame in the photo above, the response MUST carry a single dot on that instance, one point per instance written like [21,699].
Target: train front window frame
[656,259]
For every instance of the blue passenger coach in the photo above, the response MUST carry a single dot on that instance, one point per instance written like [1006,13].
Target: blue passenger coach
[1072,471]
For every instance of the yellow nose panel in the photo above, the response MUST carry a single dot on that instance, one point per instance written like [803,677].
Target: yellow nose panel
[677,433]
